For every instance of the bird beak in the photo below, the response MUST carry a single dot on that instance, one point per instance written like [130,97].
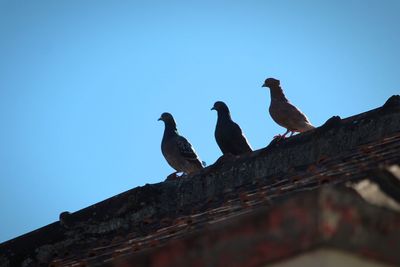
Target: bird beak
[264,85]
[213,108]
[160,119]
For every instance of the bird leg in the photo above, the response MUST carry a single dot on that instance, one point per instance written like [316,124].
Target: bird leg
[181,174]
[281,136]
[172,176]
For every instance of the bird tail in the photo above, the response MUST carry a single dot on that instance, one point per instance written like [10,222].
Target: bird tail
[306,127]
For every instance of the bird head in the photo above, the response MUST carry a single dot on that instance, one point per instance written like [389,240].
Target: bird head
[166,117]
[220,106]
[271,82]
[168,120]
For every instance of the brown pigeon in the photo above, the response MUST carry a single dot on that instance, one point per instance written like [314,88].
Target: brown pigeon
[178,152]
[228,134]
[283,112]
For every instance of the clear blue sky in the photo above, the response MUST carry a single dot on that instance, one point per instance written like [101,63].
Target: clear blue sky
[82,84]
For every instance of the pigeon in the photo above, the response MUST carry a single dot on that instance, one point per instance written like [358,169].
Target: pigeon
[228,134]
[283,112]
[178,152]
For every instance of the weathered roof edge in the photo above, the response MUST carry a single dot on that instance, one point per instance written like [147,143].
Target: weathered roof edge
[331,216]
[227,174]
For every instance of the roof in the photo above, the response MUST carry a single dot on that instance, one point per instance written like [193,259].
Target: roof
[332,217]
[160,221]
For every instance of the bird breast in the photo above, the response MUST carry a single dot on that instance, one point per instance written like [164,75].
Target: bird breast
[278,112]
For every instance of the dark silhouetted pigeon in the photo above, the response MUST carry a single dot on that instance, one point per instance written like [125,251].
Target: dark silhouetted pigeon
[178,152]
[283,112]
[228,134]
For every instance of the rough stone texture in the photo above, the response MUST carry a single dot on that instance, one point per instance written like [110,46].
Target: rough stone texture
[332,216]
[143,210]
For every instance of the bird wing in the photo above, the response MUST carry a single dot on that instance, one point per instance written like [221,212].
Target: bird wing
[230,138]
[186,150]
[288,116]
[296,113]
[241,143]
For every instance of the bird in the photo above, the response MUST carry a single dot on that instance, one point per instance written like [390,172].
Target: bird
[178,152]
[283,112]
[228,134]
